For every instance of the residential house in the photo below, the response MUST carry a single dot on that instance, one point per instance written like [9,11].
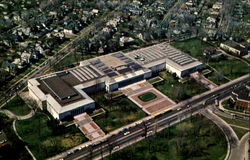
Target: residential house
[217,6]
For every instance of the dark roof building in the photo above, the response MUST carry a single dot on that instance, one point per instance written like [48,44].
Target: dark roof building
[241,97]
[234,48]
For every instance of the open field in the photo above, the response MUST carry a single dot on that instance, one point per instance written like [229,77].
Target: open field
[214,78]
[17,106]
[176,90]
[231,68]
[46,138]
[193,47]
[194,139]
[119,112]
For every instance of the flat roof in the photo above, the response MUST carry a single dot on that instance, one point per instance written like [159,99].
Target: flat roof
[173,56]
[115,64]
[59,87]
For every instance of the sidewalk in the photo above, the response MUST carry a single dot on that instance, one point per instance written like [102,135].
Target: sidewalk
[17,117]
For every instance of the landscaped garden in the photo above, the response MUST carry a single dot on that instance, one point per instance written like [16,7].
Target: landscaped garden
[148,96]
[17,106]
[119,112]
[45,137]
[176,90]
[194,139]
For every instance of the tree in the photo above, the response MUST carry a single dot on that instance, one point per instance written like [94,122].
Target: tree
[179,93]
[219,75]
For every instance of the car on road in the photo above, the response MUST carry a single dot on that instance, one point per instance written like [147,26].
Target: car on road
[126,133]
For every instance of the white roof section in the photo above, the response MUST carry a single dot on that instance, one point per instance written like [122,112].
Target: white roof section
[33,85]
[128,76]
[150,56]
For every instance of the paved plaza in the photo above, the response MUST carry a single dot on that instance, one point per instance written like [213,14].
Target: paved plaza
[88,127]
[160,103]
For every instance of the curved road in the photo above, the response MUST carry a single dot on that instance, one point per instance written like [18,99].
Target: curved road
[237,150]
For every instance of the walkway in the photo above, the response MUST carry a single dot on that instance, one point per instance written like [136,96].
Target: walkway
[203,80]
[18,117]
[88,127]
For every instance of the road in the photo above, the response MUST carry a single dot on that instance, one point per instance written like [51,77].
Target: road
[139,129]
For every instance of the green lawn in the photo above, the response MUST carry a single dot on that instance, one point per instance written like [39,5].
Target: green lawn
[236,122]
[45,138]
[196,139]
[176,90]
[240,132]
[154,80]
[214,78]
[147,96]
[193,47]
[231,68]
[119,112]
[70,60]
[17,106]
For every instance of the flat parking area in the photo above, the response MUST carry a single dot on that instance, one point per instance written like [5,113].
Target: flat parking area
[88,127]
[151,105]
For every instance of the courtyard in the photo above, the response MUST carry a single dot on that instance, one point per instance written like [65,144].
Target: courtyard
[149,99]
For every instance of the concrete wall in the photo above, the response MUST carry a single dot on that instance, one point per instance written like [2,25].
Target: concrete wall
[158,67]
[36,94]
[51,110]
[77,111]
[95,88]
[173,70]
[147,75]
